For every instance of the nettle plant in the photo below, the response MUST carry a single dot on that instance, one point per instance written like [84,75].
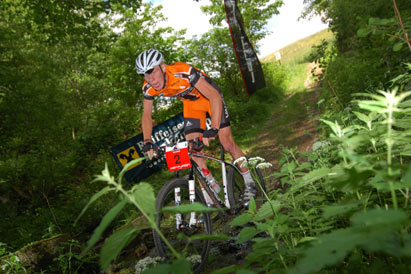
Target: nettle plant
[349,203]
[142,197]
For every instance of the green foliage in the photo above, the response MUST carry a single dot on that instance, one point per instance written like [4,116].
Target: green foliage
[259,103]
[10,263]
[346,203]
[195,207]
[299,51]
[54,20]
[344,19]
[68,93]
[321,55]
[114,244]
[351,74]
[142,197]
[108,218]
[255,15]
[374,231]
[70,260]
[371,43]
[296,57]
[213,53]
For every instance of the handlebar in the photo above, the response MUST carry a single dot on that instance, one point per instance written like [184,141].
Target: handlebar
[194,145]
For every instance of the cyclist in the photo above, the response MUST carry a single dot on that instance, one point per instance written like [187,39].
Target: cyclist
[200,95]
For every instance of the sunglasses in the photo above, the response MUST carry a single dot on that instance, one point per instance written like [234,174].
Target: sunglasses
[148,72]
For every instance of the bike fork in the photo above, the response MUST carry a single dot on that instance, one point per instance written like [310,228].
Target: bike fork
[192,191]
[177,200]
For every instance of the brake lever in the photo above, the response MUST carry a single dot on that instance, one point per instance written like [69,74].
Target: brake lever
[197,144]
[158,152]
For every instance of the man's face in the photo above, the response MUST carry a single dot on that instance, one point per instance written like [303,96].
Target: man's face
[155,78]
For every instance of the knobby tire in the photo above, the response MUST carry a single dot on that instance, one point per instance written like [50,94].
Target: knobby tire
[166,222]
[236,186]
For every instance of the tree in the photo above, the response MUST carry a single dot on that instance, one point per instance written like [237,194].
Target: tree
[213,52]
[58,19]
[345,20]
[68,92]
[255,15]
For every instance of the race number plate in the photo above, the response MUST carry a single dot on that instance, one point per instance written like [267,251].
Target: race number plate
[177,157]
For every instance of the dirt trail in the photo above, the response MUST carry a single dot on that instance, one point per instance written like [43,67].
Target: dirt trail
[293,124]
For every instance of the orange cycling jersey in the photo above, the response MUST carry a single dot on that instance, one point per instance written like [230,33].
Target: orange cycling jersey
[180,81]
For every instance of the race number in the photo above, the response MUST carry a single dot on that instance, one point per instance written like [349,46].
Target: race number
[177,157]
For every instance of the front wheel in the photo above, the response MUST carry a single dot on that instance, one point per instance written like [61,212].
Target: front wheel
[181,237]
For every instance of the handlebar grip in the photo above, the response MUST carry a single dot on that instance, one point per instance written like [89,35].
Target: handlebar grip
[158,152]
[196,144]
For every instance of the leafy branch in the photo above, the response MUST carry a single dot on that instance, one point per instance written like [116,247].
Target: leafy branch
[398,15]
[141,196]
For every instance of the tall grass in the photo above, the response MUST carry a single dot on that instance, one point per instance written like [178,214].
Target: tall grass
[298,51]
[295,59]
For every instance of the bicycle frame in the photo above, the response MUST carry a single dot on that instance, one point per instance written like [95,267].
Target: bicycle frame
[182,227]
[195,170]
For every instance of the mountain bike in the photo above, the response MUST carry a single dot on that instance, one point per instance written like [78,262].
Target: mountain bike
[185,232]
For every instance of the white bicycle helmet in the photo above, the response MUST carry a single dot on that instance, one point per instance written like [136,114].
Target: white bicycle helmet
[147,60]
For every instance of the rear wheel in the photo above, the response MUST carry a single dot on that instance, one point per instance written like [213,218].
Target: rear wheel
[236,186]
[261,180]
[195,250]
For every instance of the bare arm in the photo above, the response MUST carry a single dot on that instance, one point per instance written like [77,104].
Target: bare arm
[216,102]
[147,120]
[147,123]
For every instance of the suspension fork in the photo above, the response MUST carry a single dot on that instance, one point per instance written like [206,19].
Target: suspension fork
[177,201]
[192,193]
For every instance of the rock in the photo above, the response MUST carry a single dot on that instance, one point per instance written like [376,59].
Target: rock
[41,252]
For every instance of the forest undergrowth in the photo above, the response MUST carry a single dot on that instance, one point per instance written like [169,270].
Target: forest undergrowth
[338,199]
[298,112]
[338,194]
